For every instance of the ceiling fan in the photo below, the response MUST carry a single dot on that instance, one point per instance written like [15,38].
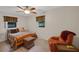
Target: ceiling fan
[27,9]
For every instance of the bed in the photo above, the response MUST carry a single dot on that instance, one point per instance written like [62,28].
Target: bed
[16,38]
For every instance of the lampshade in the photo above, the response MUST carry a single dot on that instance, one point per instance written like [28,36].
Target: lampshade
[27,11]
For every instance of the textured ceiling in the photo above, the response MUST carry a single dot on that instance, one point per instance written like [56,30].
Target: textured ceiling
[13,9]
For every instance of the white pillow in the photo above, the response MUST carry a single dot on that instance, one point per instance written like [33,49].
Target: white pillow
[21,29]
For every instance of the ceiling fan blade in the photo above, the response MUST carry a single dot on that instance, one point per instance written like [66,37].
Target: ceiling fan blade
[20,7]
[26,7]
[34,12]
[32,9]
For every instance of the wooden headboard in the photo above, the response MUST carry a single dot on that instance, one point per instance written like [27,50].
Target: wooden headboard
[13,30]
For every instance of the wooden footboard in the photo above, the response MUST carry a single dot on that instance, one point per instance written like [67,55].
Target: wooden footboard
[19,40]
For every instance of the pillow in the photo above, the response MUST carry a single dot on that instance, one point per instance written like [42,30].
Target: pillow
[14,30]
[21,29]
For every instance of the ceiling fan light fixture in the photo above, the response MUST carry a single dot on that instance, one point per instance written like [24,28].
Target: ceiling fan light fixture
[27,12]
[27,9]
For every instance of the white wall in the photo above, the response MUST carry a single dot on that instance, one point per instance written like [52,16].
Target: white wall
[22,20]
[57,20]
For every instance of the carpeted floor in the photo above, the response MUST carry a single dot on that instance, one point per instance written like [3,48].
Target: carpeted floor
[41,45]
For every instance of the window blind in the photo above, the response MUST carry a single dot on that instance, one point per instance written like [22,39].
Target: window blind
[10,19]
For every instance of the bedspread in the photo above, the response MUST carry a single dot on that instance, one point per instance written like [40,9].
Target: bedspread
[22,35]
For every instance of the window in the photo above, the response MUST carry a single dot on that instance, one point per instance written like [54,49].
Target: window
[11,24]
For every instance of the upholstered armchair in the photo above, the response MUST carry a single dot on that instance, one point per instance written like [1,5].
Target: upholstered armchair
[65,38]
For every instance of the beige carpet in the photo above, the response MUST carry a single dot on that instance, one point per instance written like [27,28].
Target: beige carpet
[21,49]
[4,47]
[41,45]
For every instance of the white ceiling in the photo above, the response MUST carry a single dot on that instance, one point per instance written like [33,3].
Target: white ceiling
[13,9]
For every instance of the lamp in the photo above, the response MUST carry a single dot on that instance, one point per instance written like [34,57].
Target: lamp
[27,11]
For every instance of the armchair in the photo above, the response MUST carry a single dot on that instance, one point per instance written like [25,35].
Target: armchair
[66,38]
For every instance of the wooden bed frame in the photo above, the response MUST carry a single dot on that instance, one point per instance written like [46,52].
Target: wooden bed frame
[19,40]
